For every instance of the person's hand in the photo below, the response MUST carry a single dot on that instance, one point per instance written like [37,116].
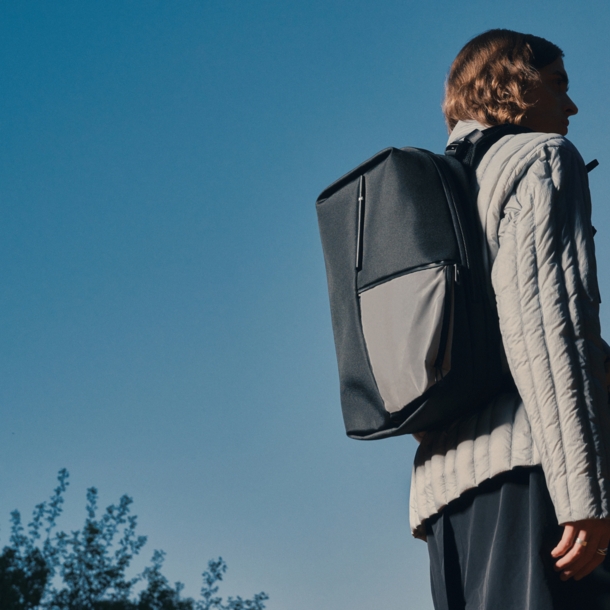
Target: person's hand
[578,559]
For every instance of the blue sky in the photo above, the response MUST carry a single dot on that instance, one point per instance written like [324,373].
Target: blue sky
[163,311]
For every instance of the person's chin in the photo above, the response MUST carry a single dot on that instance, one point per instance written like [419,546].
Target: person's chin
[562,130]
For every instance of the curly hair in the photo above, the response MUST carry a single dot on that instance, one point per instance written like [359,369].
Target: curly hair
[491,76]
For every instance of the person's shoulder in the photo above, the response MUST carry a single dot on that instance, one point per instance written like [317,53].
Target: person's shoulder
[532,142]
[521,149]
[547,153]
[522,158]
[553,156]
[553,147]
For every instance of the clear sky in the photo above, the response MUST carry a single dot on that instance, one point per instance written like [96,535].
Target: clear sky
[164,319]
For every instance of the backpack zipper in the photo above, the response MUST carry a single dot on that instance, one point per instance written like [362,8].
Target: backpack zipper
[423,267]
[360,234]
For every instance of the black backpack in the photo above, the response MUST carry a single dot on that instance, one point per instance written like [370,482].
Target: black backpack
[416,332]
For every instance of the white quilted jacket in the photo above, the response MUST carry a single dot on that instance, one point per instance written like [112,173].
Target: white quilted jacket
[535,210]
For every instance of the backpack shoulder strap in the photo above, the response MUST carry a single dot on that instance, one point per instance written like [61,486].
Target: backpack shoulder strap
[471,149]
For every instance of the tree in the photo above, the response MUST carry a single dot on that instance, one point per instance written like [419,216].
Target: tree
[45,569]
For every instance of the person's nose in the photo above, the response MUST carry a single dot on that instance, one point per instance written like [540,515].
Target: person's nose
[570,107]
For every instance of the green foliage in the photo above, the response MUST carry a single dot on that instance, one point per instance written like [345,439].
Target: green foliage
[86,569]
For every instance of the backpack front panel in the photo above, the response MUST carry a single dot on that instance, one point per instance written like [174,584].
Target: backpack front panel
[407,222]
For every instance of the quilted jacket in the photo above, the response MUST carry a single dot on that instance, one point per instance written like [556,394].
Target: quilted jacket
[535,211]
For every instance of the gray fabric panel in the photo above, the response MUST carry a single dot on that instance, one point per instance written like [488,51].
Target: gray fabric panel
[401,322]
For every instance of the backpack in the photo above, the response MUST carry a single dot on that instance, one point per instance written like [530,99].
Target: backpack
[416,331]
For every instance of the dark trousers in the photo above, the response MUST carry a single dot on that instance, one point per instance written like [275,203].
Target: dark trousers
[490,550]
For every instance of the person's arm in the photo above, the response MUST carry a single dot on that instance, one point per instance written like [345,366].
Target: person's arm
[545,282]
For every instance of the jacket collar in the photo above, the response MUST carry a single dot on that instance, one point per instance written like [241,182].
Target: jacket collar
[463,128]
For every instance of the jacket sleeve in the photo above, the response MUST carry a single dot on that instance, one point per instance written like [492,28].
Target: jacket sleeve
[545,281]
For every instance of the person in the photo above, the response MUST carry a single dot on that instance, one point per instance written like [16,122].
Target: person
[514,500]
